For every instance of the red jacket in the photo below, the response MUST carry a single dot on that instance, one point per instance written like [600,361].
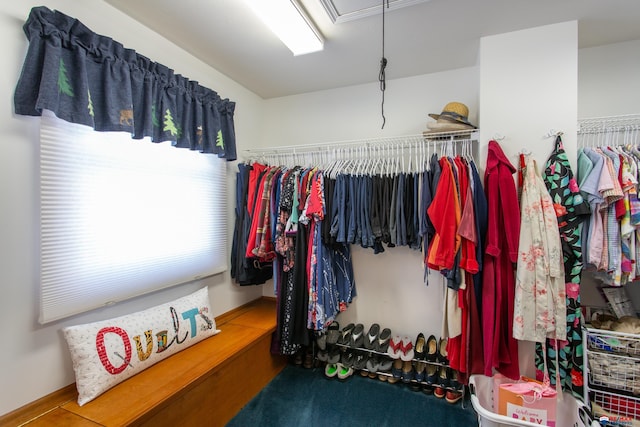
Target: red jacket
[501,255]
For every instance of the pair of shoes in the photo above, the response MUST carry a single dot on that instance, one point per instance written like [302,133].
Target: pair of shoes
[372,337]
[442,351]
[401,348]
[382,343]
[453,396]
[337,370]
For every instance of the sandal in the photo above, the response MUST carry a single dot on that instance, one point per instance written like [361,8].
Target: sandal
[372,337]
[406,349]
[393,348]
[333,333]
[360,361]
[357,336]
[382,344]
[345,334]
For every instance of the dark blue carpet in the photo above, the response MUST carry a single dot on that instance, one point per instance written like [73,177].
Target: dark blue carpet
[305,397]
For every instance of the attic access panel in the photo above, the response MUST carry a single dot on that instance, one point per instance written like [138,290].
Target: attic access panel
[349,10]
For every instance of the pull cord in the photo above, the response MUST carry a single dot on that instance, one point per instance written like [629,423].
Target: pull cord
[383,65]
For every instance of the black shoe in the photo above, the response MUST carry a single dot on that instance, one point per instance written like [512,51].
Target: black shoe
[432,349]
[442,351]
[420,348]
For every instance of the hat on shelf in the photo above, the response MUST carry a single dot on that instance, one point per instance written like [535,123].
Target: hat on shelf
[454,117]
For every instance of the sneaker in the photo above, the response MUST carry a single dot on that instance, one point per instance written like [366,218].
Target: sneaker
[331,370]
[439,392]
[453,396]
[344,372]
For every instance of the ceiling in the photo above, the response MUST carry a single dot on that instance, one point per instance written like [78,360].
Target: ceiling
[421,36]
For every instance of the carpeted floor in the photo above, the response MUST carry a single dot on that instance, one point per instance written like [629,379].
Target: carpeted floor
[305,397]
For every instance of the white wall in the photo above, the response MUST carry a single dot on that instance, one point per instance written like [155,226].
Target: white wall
[34,360]
[528,85]
[609,80]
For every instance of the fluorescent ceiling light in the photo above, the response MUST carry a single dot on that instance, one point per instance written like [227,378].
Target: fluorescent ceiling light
[289,22]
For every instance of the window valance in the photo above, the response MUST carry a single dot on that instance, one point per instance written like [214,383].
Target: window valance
[93,80]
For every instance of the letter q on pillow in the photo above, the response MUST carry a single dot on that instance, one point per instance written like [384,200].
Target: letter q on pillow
[108,352]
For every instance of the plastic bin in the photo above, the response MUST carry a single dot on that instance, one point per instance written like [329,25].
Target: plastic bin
[482,400]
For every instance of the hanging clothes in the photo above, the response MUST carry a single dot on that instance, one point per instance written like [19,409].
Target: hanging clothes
[539,306]
[501,255]
[571,209]
[246,271]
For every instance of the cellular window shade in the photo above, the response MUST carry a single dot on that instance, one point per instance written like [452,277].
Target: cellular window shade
[120,217]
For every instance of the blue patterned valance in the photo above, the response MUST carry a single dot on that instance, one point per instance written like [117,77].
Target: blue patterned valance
[93,80]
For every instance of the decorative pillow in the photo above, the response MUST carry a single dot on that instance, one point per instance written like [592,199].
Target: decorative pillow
[108,352]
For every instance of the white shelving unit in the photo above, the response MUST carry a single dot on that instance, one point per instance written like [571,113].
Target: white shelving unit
[612,375]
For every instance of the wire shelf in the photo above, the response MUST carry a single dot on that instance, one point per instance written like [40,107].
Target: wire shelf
[596,125]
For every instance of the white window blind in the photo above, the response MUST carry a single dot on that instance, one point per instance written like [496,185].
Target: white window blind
[120,217]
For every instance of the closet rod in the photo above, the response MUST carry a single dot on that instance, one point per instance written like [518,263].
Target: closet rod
[621,123]
[439,137]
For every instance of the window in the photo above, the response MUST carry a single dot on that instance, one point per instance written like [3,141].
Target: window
[121,217]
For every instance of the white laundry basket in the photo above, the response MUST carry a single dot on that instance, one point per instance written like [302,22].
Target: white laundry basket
[482,400]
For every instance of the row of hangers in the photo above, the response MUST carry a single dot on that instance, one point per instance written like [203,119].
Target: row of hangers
[410,155]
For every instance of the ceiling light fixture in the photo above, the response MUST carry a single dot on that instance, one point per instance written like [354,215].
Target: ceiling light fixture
[290,23]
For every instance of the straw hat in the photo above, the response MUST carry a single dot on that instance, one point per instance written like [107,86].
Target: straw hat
[454,116]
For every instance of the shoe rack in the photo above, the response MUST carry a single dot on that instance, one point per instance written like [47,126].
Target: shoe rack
[421,364]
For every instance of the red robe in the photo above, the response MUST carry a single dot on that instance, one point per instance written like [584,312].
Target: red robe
[501,255]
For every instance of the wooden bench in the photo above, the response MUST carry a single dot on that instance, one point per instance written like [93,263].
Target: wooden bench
[205,384]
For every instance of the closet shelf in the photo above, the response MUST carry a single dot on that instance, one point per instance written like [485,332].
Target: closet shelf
[597,125]
[405,140]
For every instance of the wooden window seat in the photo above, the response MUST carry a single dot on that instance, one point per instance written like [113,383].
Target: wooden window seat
[205,384]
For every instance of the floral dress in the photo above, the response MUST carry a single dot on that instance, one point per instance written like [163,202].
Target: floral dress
[571,209]
[539,306]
